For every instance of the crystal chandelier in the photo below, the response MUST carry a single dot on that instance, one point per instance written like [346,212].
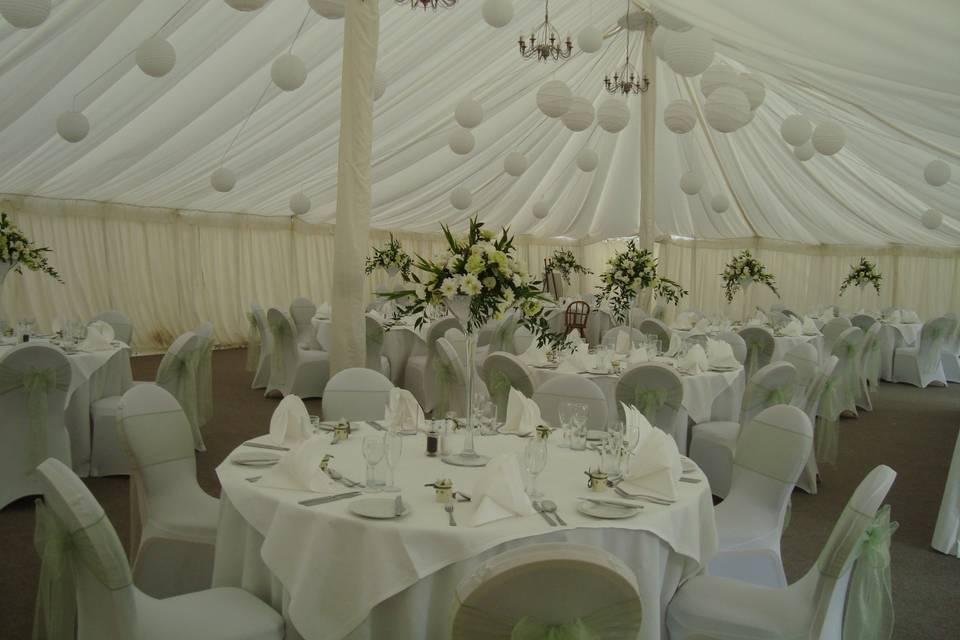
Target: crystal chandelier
[545,42]
[428,4]
[625,79]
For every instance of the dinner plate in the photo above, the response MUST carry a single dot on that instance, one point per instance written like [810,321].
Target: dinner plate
[606,512]
[598,372]
[501,431]
[377,508]
[731,367]
[255,458]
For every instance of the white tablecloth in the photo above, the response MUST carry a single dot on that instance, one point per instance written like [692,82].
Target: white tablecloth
[892,337]
[335,575]
[946,535]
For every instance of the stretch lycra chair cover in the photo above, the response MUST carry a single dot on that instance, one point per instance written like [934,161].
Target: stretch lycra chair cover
[418,376]
[86,591]
[451,381]
[572,388]
[173,522]
[34,380]
[179,373]
[846,594]
[501,372]
[847,348]
[771,451]
[736,343]
[922,365]
[551,591]
[870,354]
[657,391]
[205,373]
[598,323]
[375,336]
[760,346]
[122,327]
[950,353]
[657,329]
[253,343]
[832,330]
[806,361]
[502,338]
[946,535]
[610,337]
[302,311]
[356,394]
[265,348]
[811,406]
[302,372]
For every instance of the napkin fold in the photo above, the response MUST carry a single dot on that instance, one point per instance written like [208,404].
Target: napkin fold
[694,361]
[909,317]
[534,355]
[638,356]
[895,317]
[827,314]
[323,311]
[684,321]
[289,424]
[499,492]
[809,326]
[403,412]
[793,329]
[96,340]
[523,414]
[574,337]
[702,325]
[761,317]
[720,354]
[105,329]
[299,469]
[675,343]
[623,342]
[655,467]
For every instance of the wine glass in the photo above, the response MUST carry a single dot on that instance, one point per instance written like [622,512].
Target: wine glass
[393,443]
[373,452]
[565,415]
[535,460]
[579,414]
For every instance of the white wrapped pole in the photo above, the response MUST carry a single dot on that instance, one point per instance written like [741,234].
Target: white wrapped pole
[648,125]
[361,31]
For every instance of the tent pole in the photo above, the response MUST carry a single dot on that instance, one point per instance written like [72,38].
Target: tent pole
[648,124]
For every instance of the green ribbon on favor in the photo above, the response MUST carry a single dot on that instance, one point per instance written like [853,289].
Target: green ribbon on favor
[253,343]
[869,610]
[619,621]
[178,375]
[37,383]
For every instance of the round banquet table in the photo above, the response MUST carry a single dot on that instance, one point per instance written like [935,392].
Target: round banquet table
[892,337]
[334,575]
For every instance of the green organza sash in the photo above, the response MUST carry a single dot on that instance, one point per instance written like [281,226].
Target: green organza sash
[37,383]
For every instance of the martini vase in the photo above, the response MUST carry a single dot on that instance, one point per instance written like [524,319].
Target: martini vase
[745,289]
[459,306]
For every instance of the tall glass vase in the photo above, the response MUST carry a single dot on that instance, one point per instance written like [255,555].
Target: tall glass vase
[744,289]
[5,268]
[459,306]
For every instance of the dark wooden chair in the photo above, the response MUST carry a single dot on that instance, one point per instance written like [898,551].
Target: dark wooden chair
[576,318]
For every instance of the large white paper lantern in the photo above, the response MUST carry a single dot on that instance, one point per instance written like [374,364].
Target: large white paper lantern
[300,203]
[469,113]
[717,76]
[668,20]
[727,109]
[689,53]
[223,180]
[288,72]
[541,210]
[515,164]
[659,42]
[497,13]
[720,203]
[461,198]
[554,98]
[613,115]
[156,57]
[796,130]
[580,114]
[931,218]
[25,14]
[937,173]
[691,182]
[587,160]
[590,39]
[73,126]
[680,116]
[246,5]
[754,89]
[828,138]
[379,85]
[329,9]
[461,141]
[804,152]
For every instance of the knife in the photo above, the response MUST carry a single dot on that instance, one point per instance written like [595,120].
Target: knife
[325,499]
[614,503]
[375,426]
[690,480]
[260,445]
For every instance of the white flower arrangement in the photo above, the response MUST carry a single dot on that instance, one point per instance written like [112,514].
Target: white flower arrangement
[564,263]
[17,250]
[743,268]
[391,256]
[629,272]
[861,274]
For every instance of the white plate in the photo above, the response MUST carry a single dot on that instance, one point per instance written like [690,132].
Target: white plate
[377,508]
[606,512]
[598,372]
[720,368]
[255,459]
[501,431]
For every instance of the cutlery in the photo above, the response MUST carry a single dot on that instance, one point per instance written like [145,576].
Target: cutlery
[325,499]
[448,507]
[622,504]
[342,479]
[551,507]
[260,445]
[254,478]
[690,480]
[375,426]
[639,496]
[539,509]
[463,497]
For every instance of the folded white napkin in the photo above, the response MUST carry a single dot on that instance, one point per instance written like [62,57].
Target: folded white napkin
[720,354]
[323,311]
[794,328]
[96,340]
[675,343]
[761,317]
[574,337]
[639,356]
[809,326]
[376,315]
[910,317]
[684,321]
[387,309]
[523,414]
[499,492]
[895,317]
[655,467]
[105,330]
[403,411]
[534,355]
[623,342]
[695,361]
[290,422]
[569,366]
[702,325]
[299,469]
[827,314]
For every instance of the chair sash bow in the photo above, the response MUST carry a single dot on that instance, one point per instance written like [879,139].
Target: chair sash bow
[37,383]
[869,612]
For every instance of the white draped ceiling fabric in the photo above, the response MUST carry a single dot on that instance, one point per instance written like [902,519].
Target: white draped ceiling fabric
[885,70]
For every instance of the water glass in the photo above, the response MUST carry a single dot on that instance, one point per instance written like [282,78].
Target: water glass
[373,452]
[535,461]
[393,443]
[565,415]
[579,415]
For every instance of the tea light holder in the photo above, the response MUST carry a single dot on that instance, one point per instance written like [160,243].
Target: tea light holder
[543,431]
[596,480]
[341,431]
[443,488]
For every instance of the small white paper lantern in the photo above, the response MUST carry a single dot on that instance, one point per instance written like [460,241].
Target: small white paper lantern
[668,20]
[25,14]
[720,203]
[288,72]
[497,13]
[727,109]
[590,39]
[690,183]
[246,5]
[469,113]
[554,98]
[689,53]
[541,210]
[796,130]
[587,160]
[73,126]
[223,180]
[515,164]
[680,116]
[937,173]
[300,203]
[613,115]
[828,138]
[717,75]
[329,9]
[804,152]
[156,57]
[379,85]
[659,42]
[461,141]
[931,218]
[461,198]
[580,114]
[754,89]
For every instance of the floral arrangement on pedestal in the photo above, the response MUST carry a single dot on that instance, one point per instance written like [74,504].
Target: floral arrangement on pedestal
[743,270]
[862,274]
[564,263]
[629,272]
[17,252]
[391,258]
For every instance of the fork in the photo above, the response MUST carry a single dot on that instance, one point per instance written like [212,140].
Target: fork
[639,496]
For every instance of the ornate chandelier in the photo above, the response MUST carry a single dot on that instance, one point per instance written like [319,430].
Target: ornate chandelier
[428,4]
[625,79]
[545,42]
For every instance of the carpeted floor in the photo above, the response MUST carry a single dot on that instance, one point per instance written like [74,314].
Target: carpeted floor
[911,430]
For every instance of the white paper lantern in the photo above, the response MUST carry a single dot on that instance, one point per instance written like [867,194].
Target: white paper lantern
[541,210]
[461,141]
[590,39]
[329,9]
[828,138]
[25,14]
[613,115]
[691,182]
[668,20]
[461,198]
[659,42]
[288,72]
[931,218]
[515,164]
[246,5]
[720,203]
[580,114]
[804,152]
[727,109]
[587,160]
[469,113]
[379,85]
[796,130]
[680,116]
[497,13]
[717,75]
[300,203]
[689,53]
[73,126]
[156,57]
[754,89]
[937,173]
[554,98]
[223,180]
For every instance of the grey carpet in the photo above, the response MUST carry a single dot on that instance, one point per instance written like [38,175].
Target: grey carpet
[911,430]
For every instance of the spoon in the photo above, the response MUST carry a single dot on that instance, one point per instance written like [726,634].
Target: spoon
[543,513]
[551,507]
[448,507]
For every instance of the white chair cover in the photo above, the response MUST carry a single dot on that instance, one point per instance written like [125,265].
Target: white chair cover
[419,377]
[302,372]
[946,535]
[122,327]
[806,360]
[736,343]
[811,406]
[501,372]
[598,323]
[574,388]
[637,315]
[923,365]
[657,391]
[522,339]
[610,337]
[502,338]
[374,338]
[205,343]
[760,347]
[253,343]
[451,378]
[950,354]
[458,340]
[847,348]
[863,321]
[178,373]
[356,394]
[302,311]
[658,329]
[265,355]
[832,330]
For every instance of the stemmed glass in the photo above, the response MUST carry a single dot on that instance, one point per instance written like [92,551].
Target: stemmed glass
[373,452]
[393,443]
[535,460]
[579,414]
[631,437]
[565,414]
